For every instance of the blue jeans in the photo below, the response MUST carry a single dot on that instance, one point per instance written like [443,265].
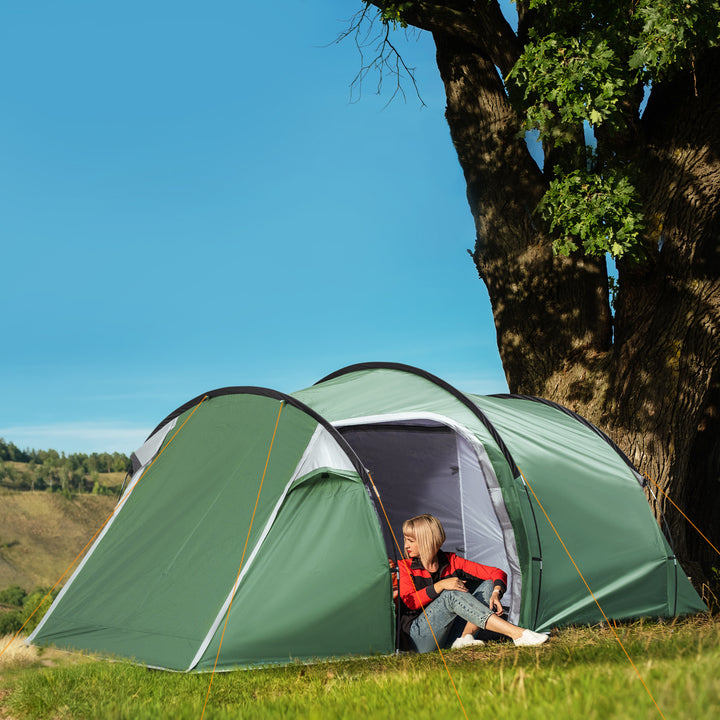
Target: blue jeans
[444,611]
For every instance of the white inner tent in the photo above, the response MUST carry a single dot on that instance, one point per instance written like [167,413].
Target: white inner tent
[426,464]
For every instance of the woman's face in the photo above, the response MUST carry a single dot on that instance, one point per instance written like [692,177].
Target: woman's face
[411,546]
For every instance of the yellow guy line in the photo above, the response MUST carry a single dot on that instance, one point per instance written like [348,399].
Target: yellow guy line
[582,577]
[242,557]
[437,644]
[683,514]
[117,507]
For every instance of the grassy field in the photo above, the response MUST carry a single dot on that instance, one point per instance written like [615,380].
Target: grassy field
[580,673]
[41,533]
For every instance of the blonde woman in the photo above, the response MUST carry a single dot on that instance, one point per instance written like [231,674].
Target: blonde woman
[434,581]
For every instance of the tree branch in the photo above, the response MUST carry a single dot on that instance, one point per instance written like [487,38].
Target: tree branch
[384,57]
[480,25]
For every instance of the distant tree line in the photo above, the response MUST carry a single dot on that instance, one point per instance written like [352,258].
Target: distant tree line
[54,471]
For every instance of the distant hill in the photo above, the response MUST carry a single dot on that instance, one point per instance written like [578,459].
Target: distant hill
[41,533]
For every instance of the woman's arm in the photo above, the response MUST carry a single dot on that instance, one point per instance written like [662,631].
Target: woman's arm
[450,583]
[482,572]
[414,598]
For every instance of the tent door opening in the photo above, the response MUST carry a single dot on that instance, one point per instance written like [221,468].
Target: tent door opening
[423,466]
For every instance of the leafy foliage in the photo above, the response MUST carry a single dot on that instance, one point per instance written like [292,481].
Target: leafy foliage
[566,81]
[601,211]
[29,608]
[672,32]
[12,595]
[583,66]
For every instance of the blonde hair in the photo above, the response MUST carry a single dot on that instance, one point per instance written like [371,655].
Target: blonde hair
[429,534]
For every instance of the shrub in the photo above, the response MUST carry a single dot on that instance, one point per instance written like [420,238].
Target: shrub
[35,605]
[13,595]
[31,608]
[10,622]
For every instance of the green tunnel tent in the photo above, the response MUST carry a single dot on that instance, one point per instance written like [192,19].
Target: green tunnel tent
[161,583]
[485,465]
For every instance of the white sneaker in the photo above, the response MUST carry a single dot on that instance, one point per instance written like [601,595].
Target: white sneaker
[465,641]
[529,637]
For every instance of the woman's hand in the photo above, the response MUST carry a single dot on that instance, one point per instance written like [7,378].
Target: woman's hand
[495,604]
[450,583]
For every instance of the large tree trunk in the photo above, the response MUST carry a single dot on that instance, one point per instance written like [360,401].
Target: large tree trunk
[668,315]
[650,375]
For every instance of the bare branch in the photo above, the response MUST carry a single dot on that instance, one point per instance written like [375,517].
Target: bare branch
[480,25]
[383,57]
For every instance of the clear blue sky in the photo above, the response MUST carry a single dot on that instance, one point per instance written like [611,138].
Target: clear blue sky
[190,200]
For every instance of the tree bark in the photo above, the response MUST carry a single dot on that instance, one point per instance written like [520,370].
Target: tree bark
[668,315]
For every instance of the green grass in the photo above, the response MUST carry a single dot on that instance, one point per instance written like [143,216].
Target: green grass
[581,673]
